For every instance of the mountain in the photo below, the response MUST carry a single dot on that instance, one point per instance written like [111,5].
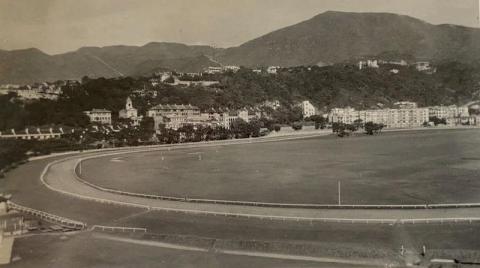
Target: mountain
[339,36]
[32,65]
[330,37]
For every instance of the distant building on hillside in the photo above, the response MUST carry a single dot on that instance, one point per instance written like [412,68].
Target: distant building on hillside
[213,70]
[275,104]
[405,104]
[367,64]
[273,69]
[232,68]
[130,113]
[308,109]
[423,66]
[102,116]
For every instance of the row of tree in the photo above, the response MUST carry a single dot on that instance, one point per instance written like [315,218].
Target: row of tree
[370,128]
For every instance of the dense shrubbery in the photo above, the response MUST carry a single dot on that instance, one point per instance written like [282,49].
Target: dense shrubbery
[11,152]
[297,126]
[437,121]
[373,128]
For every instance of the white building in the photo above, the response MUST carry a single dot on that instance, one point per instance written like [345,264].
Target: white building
[405,104]
[273,69]
[130,113]
[275,104]
[102,116]
[346,115]
[232,68]
[391,118]
[213,70]
[423,66]
[447,112]
[174,116]
[368,63]
[308,109]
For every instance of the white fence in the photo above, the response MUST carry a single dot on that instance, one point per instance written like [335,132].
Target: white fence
[267,204]
[119,229]
[245,203]
[47,216]
[259,216]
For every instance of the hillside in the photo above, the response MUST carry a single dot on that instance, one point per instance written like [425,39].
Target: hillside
[330,37]
[326,87]
[338,36]
[32,65]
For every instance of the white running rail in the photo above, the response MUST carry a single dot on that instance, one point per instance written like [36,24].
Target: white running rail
[47,216]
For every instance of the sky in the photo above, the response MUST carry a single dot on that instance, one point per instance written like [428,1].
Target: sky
[58,26]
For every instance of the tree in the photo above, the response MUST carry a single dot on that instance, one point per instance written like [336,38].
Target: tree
[373,128]
[437,121]
[297,126]
[240,128]
[351,127]
[358,123]
[320,121]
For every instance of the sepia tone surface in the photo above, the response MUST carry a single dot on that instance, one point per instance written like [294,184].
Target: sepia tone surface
[222,133]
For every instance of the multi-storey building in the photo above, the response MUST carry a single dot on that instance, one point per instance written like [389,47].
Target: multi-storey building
[102,116]
[346,115]
[308,109]
[390,118]
[451,111]
[174,116]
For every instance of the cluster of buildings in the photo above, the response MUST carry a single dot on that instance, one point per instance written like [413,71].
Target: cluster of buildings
[175,116]
[172,79]
[403,115]
[221,69]
[45,90]
[421,66]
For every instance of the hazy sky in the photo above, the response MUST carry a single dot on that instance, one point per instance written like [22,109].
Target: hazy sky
[56,26]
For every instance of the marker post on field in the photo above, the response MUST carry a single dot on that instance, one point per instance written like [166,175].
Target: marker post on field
[339,193]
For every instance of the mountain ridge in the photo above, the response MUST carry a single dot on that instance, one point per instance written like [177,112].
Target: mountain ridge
[329,37]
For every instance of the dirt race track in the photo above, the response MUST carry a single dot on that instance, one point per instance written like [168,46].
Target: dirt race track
[50,185]
[59,176]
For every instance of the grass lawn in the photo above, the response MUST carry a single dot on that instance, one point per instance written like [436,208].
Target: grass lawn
[438,166]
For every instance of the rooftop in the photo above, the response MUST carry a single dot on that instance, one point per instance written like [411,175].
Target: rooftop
[174,107]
